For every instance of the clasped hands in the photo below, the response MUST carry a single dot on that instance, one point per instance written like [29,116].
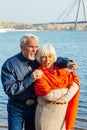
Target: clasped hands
[58,101]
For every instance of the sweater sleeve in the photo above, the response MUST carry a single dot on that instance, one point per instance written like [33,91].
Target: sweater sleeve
[55,94]
[71,92]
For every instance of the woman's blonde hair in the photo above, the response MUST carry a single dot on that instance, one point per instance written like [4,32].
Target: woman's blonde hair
[46,50]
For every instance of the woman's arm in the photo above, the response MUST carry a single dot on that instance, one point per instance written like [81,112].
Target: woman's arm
[71,92]
[55,94]
[69,95]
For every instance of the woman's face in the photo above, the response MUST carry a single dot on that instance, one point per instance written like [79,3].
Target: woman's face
[47,61]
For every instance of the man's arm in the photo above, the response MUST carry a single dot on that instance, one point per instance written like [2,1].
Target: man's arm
[65,63]
[11,84]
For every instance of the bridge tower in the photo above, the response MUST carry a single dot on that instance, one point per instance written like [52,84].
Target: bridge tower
[84,11]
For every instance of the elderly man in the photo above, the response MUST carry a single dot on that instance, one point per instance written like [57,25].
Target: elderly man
[18,75]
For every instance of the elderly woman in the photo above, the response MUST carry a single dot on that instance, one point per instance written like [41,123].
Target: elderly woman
[57,91]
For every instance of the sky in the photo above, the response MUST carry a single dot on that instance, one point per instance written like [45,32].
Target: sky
[39,11]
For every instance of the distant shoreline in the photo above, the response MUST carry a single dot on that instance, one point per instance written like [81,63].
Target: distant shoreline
[16,30]
[41,27]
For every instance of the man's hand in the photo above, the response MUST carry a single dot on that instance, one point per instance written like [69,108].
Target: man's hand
[72,65]
[36,74]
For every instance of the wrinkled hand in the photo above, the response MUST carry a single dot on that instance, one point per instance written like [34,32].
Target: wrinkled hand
[36,74]
[59,101]
[72,65]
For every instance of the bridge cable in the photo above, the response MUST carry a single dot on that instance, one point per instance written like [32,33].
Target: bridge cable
[63,12]
[66,10]
[71,9]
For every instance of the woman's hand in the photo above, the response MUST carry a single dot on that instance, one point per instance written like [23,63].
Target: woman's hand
[59,101]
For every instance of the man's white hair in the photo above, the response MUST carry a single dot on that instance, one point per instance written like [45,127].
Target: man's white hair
[46,50]
[24,38]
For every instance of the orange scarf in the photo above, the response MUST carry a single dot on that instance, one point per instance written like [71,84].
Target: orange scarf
[52,80]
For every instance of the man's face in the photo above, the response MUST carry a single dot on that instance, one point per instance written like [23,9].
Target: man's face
[29,50]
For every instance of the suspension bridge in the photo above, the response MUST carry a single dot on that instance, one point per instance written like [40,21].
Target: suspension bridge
[79,7]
